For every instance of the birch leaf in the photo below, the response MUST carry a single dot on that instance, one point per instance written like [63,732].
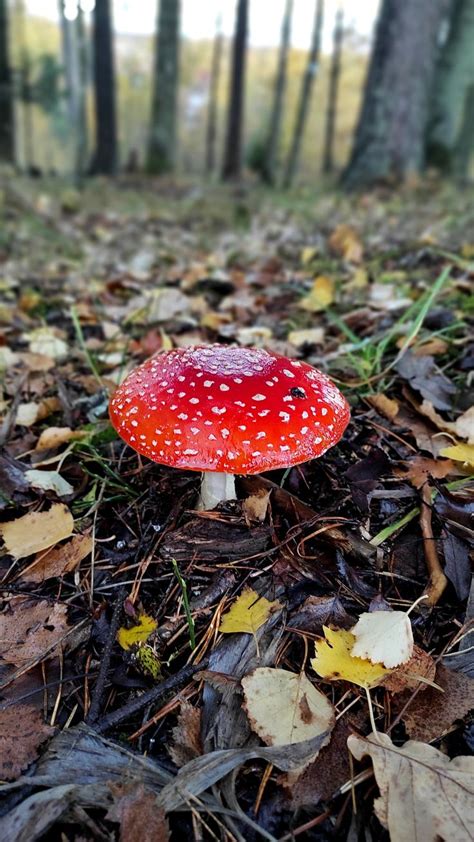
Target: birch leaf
[248,613]
[383,637]
[334,660]
[136,634]
[37,530]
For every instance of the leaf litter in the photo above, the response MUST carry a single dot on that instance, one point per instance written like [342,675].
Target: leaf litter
[91,531]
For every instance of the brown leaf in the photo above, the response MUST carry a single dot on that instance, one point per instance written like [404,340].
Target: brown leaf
[56,436]
[186,735]
[387,407]
[30,630]
[58,560]
[22,731]
[345,243]
[37,530]
[419,469]
[254,508]
[432,713]
[140,819]
[405,677]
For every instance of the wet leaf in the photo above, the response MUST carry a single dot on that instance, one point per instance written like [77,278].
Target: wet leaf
[383,637]
[432,712]
[334,660]
[186,735]
[410,675]
[37,530]
[58,561]
[425,377]
[248,613]
[320,296]
[135,809]
[463,453]
[49,481]
[22,731]
[138,633]
[31,630]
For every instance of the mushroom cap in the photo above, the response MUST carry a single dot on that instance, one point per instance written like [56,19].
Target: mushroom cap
[228,409]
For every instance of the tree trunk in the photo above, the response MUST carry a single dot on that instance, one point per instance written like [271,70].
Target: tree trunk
[464,146]
[271,153]
[69,51]
[311,71]
[105,158]
[80,130]
[233,143]
[390,135]
[454,74]
[328,149]
[211,131]
[7,142]
[162,139]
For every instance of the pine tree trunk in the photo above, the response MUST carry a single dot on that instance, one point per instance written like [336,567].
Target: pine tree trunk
[105,158]
[305,96]
[211,130]
[80,133]
[69,53]
[162,139]
[271,154]
[328,149]
[7,143]
[233,142]
[454,74]
[390,136]
[464,146]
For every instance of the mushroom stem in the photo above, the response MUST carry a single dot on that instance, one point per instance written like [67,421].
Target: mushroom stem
[215,488]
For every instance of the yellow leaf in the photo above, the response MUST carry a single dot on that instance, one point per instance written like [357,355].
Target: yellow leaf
[345,243]
[248,613]
[460,453]
[136,634]
[308,253]
[320,296]
[334,660]
[148,661]
[37,531]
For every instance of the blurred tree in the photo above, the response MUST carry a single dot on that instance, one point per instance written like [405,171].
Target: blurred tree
[211,128]
[311,71]
[454,74]
[75,58]
[334,74]
[7,138]
[233,141]
[45,88]
[464,146]
[162,137]
[274,131]
[390,135]
[105,155]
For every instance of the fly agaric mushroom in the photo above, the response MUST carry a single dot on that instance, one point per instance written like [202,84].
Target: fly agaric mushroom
[227,410]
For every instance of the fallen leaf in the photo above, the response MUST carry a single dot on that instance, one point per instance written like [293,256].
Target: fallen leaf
[254,508]
[311,336]
[284,707]
[255,336]
[320,296]
[308,253]
[186,735]
[409,675]
[425,377]
[462,427]
[139,633]
[56,436]
[37,530]
[22,731]
[460,453]
[335,662]
[431,713]
[45,341]
[31,630]
[424,796]
[136,810]
[49,481]
[58,561]
[457,563]
[388,407]
[319,611]
[248,613]
[383,637]
[27,414]
[345,243]
[419,470]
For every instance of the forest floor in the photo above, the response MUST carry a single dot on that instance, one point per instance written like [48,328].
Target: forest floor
[125,711]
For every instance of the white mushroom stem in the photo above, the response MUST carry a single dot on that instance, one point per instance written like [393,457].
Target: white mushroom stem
[215,488]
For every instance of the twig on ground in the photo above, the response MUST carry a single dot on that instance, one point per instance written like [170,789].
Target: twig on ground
[104,664]
[437,581]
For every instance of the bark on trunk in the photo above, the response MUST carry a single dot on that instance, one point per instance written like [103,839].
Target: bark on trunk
[105,158]
[162,139]
[390,135]
[211,131]
[464,146]
[454,74]
[7,143]
[335,72]
[305,96]
[233,142]
[274,131]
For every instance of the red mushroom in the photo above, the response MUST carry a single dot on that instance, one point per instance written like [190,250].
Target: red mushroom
[227,410]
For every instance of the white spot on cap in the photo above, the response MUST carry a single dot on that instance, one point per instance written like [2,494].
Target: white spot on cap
[284,446]
[224,387]
[193,400]
[239,403]
[324,411]
[285,416]
[259,397]
[218,410]
[194,430]
[212,437]
[134,423]
[237,380]
[225,433]
[242,427]
[304,414]
[183,416]
[263,413]
[190,452]
[208,383]
[261,435]
[304,430]
[288,373]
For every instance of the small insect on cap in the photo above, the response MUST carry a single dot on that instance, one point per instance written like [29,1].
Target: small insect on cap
[228,409]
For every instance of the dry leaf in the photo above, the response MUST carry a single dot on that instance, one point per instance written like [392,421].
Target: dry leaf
[424,796]
[31,630]
[431,713]
[37,530]
[140,819]
[45,341]
[139,633]
[463,426]
[308,253]
[345,243]
[311,336]
[409,675]
[56,436]
[248,613]
[49,481]
[27,414]
[421,468]
[58,561]
[387,407]
[335,662]
[460,453]
[22,731]
[383,637]
[320,296]
[254,508]
[186,735]
[284,707]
